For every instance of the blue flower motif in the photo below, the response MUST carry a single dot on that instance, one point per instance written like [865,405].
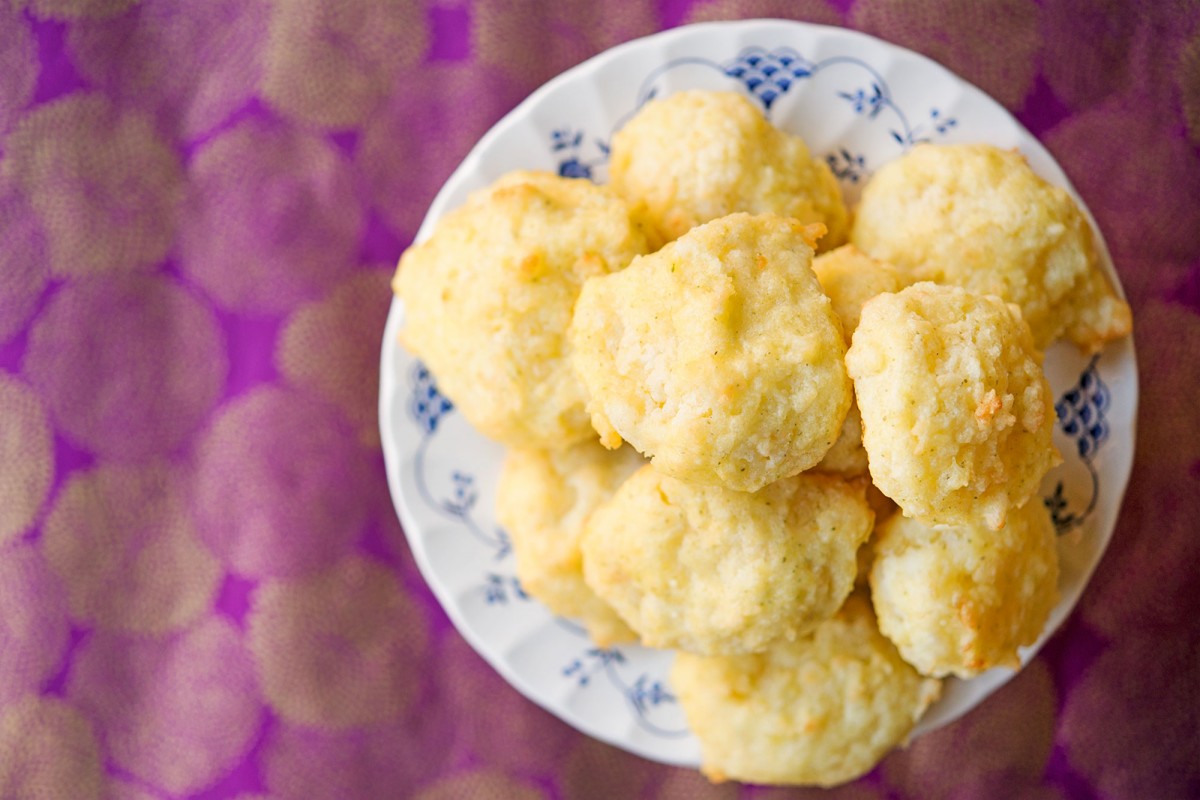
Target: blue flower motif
[503,544]
[1081,412]
[869,101]
[569,144]
[644,694]
[427,405]
[574,168]
[499,589]
[563,139]
[939,124]
[465,494]
[1063,518]
[768,74]
[847,167]
[594,660]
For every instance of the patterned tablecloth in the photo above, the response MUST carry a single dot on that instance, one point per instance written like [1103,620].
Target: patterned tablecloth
[204,591]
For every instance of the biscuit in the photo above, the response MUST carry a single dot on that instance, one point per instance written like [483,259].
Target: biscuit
[695,156]
[543,500]
[718,356]
[979,217]
[957,414]
[847,457]
[488,298]
[714,571]
[851,278]
[821,710]
[883,507]
[960,600]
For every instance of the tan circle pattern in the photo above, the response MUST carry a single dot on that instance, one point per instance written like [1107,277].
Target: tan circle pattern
[33,623]
[581,28]
[409,148]
[107,189]
[18,65]
[331,63]
[137,61]
[1146,579]
[1130,724]
[24,260]
[1009,735]
[121,541]
[479,785]
[119,789]
[959,34]
[816,11]
[854,791]
[273,218]
[281,487]
[47,752]
[175,712]
[143,386]
[26,457]
[338,649]
[688,784]
[594,769]
[1151,219]
[1189,87]
[375,762]
[1090,57]
[332,348]
[76,9]
[494,722]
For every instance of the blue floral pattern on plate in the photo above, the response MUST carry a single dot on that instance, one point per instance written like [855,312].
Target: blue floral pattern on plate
[1081,415]
[442,473]
[427,406]
[766,76]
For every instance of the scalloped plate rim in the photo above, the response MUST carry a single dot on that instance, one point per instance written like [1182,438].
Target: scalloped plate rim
[391,391]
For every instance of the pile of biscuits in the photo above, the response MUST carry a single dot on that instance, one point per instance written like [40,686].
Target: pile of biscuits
[812,475]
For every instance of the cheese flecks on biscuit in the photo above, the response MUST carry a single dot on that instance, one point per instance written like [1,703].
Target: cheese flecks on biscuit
[714,571]
[977,216]
[488,298]
[821,710]
[851,278]
[961,600]
[695,156]
[718,356]
[957,414]
[544,499]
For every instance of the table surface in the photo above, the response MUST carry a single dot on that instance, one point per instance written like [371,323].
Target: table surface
[204,591]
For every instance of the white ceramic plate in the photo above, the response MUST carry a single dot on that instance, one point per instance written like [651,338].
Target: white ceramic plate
[858,102]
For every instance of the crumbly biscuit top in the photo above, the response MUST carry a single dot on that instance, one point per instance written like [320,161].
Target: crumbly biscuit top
[719,356]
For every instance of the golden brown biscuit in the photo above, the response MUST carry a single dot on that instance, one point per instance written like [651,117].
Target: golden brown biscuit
[977,216]
[718,356]
[884,508]
[850,277]
[488,298]
[543,500]
[695,156]
[962,600]
[847,457]
[714,571]
[957,414]
[821,710]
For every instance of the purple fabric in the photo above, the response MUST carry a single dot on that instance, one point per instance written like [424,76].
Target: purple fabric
[204,591]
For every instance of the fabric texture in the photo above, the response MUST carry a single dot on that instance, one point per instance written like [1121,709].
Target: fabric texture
[204,589]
